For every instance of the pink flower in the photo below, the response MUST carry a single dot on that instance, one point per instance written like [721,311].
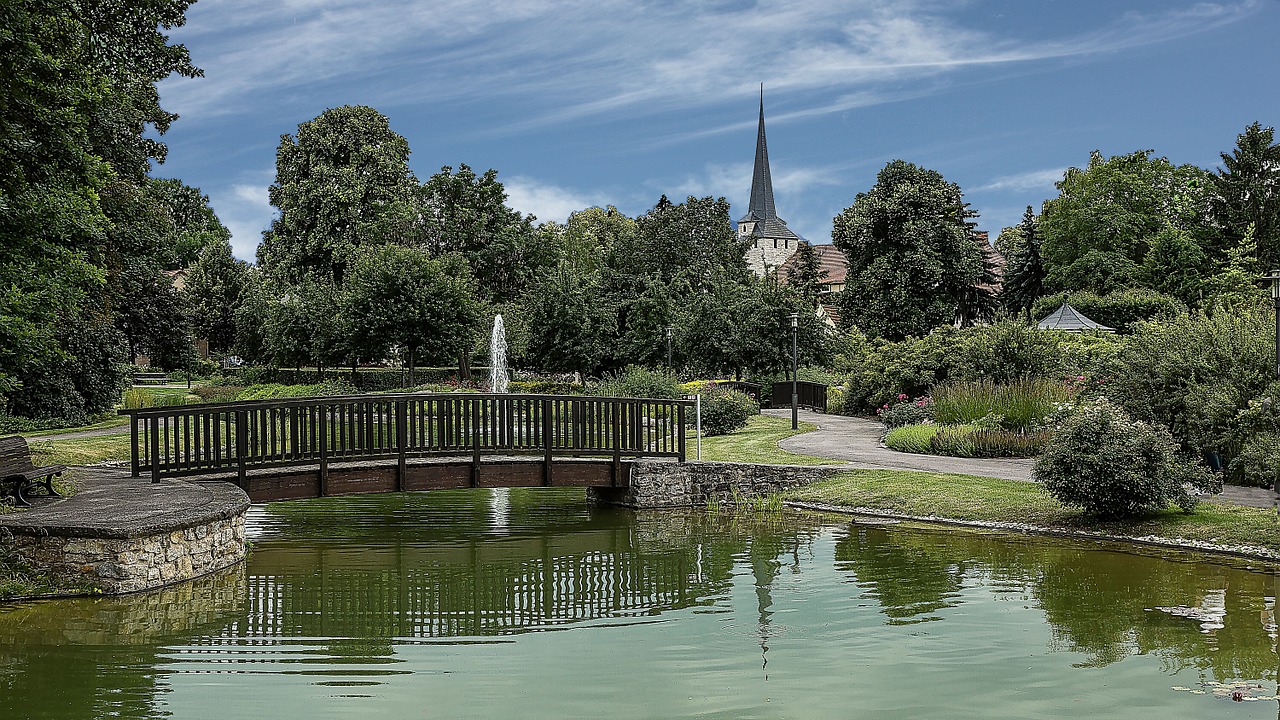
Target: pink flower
[902,396]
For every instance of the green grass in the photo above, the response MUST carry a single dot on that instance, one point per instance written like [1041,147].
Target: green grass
[911,438]
[114,421]
[756,443]
[80,451]
[965,497]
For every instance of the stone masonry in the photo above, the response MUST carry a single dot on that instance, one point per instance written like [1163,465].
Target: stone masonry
[658,484]
[123,565]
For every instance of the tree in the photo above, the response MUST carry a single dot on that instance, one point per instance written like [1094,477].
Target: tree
[1024,273]
[342,183]
[913,256]
[806,276]
[572,325]
[79,91]
[215,284]
[194,224]
[1099,231]
[467,214]
[398,297]
[1247,191]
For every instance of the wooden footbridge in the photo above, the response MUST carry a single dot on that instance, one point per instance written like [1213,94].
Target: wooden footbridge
[313,447]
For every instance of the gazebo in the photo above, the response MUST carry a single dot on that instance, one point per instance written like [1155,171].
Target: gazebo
[1068,319]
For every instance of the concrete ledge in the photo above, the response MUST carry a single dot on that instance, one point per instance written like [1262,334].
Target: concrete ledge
[120,534]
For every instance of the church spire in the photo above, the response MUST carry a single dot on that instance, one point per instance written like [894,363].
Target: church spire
[761,207]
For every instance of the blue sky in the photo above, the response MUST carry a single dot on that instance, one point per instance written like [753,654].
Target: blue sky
[595,102]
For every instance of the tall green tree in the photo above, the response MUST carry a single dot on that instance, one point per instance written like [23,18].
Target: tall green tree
[467,214]
[914,260]
[399,297]
[1100,229]
[342,183]
[806,276]
[1247,191]
[1024,270]
[214,289]
[572,325]
[78,82]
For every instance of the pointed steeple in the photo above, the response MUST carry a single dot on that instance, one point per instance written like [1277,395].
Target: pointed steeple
[761,206]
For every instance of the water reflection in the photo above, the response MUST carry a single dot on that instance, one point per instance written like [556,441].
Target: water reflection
[338,593]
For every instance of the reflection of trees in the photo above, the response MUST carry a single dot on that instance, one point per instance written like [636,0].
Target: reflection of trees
[910,575]
[95,657]
[1098,601]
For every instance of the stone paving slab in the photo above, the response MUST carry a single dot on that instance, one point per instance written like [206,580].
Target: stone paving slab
[111,504]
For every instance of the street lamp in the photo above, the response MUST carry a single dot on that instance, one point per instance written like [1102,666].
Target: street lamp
[1274,277]
[668,347]
[795,397]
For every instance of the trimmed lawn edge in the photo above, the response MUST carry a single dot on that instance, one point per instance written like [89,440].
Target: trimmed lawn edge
[1251,552]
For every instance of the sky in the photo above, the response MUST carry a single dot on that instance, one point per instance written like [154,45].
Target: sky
[579,103]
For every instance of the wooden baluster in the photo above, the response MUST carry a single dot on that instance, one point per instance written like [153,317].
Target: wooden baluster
[402,437]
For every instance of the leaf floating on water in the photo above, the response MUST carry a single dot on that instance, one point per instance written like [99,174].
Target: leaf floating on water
[1179,687]
[1197,692]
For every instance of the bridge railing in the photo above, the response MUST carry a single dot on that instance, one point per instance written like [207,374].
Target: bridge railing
[186,440]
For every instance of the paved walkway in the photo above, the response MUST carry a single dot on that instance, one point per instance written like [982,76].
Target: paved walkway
[111,504]
[857,441]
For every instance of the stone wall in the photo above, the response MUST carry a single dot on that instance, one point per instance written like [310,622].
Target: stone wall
[122,565]
[659,484]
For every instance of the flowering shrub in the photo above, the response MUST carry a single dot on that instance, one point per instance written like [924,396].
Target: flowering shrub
[906,411]
[724,411]
[1113,466]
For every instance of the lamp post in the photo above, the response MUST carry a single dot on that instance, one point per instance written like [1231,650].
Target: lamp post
[668,347]
[1274,277]
[795,396]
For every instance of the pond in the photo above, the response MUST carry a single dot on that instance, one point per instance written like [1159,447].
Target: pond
[532,604]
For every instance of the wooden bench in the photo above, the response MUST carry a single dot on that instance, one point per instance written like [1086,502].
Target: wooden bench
[20,475]
[143,378]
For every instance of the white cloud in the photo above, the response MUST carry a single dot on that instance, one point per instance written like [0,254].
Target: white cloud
[246,210]
[1022,182]
[546,201]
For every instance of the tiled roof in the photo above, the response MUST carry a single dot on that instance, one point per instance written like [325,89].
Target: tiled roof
[829,258]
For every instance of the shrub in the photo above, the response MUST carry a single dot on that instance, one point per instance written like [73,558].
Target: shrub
[911,438]
[1021,405]
[217,393]
[276,391]
[544,387]
[1004,352]
[906,411]
[1115,467]
[1004,443]
[1197,374]
[638,382]
[724,411]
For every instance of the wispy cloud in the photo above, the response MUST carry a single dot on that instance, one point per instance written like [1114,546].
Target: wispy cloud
[548,62]
[1021,182]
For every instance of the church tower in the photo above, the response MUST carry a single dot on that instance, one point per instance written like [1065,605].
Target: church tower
[771,241]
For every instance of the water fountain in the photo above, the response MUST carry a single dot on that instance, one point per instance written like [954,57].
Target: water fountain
[498,380]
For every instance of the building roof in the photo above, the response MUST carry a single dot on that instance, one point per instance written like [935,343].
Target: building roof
[761,207]
[830,259]
[994,260]
[1068,319]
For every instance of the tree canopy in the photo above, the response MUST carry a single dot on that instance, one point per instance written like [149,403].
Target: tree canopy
[914,260]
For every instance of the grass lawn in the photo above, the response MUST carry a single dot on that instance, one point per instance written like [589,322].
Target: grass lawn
[756,443]
[114,421]
[965,497]
[80,451]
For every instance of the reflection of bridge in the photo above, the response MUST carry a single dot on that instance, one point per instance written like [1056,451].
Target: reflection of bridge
[310,447]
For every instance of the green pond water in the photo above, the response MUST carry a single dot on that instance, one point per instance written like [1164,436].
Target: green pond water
[532,604]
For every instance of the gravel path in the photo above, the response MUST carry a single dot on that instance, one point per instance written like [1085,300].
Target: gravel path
[857,441]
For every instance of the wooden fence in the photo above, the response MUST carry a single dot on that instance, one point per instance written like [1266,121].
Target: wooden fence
[811,395]
[241,436]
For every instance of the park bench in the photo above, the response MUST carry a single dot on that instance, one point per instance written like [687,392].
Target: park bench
[143,378]
[18,473]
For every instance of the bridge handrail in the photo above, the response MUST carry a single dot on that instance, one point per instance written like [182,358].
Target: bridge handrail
[239,436]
